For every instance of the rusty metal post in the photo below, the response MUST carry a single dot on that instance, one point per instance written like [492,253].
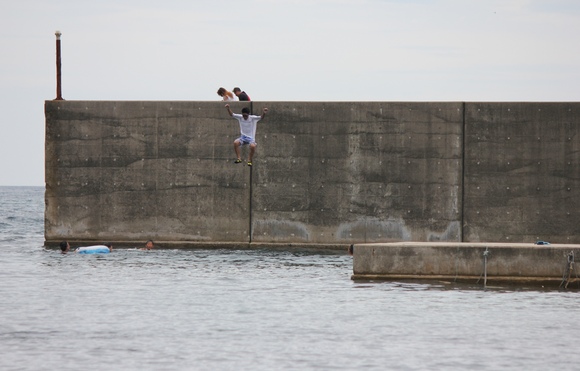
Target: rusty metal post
[58,74]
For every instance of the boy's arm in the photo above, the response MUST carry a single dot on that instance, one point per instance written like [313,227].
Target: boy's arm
[229,110]
[264,111]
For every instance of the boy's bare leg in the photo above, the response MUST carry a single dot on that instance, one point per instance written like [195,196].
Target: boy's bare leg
[237,149]
[252,151]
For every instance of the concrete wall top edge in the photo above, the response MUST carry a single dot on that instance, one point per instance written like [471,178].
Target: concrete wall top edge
[260,102]
[316,102]
[470,244]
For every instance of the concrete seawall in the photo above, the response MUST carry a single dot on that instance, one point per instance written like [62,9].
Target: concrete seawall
[325,174]
[550,265]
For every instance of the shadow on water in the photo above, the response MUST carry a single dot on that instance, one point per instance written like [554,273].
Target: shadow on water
[414,285]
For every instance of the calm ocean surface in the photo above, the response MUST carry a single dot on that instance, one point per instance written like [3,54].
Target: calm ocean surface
[255,310]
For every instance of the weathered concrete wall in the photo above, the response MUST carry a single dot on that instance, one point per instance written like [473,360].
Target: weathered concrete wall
[324,173]
[138,170]
[522,172]
[467,262]
[358,172]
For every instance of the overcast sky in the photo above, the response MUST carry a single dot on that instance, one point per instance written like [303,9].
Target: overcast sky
[276,50]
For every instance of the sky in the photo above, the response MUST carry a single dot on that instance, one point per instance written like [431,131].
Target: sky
[276,50]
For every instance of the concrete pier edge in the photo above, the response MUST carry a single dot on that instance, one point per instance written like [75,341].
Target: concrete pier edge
[511,263]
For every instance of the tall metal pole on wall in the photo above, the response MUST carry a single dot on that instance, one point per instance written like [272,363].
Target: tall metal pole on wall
[58,85]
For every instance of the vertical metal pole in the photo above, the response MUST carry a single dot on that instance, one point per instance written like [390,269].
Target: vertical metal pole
[58,74]
[485,254]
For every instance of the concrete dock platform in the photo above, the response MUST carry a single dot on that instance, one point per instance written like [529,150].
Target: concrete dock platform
[549,265]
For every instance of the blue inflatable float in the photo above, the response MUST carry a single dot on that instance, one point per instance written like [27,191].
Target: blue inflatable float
[98,249]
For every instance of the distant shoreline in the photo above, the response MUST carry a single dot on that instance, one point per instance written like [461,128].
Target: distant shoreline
[20,186]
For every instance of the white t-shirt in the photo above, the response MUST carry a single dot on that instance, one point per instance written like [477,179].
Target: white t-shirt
[248,127]
[226,98]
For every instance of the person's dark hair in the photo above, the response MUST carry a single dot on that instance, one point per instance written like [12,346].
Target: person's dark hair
[246,110]
[63,245]
[221,92]
[236,89]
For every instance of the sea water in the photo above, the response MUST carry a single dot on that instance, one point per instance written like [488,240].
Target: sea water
[263,309]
